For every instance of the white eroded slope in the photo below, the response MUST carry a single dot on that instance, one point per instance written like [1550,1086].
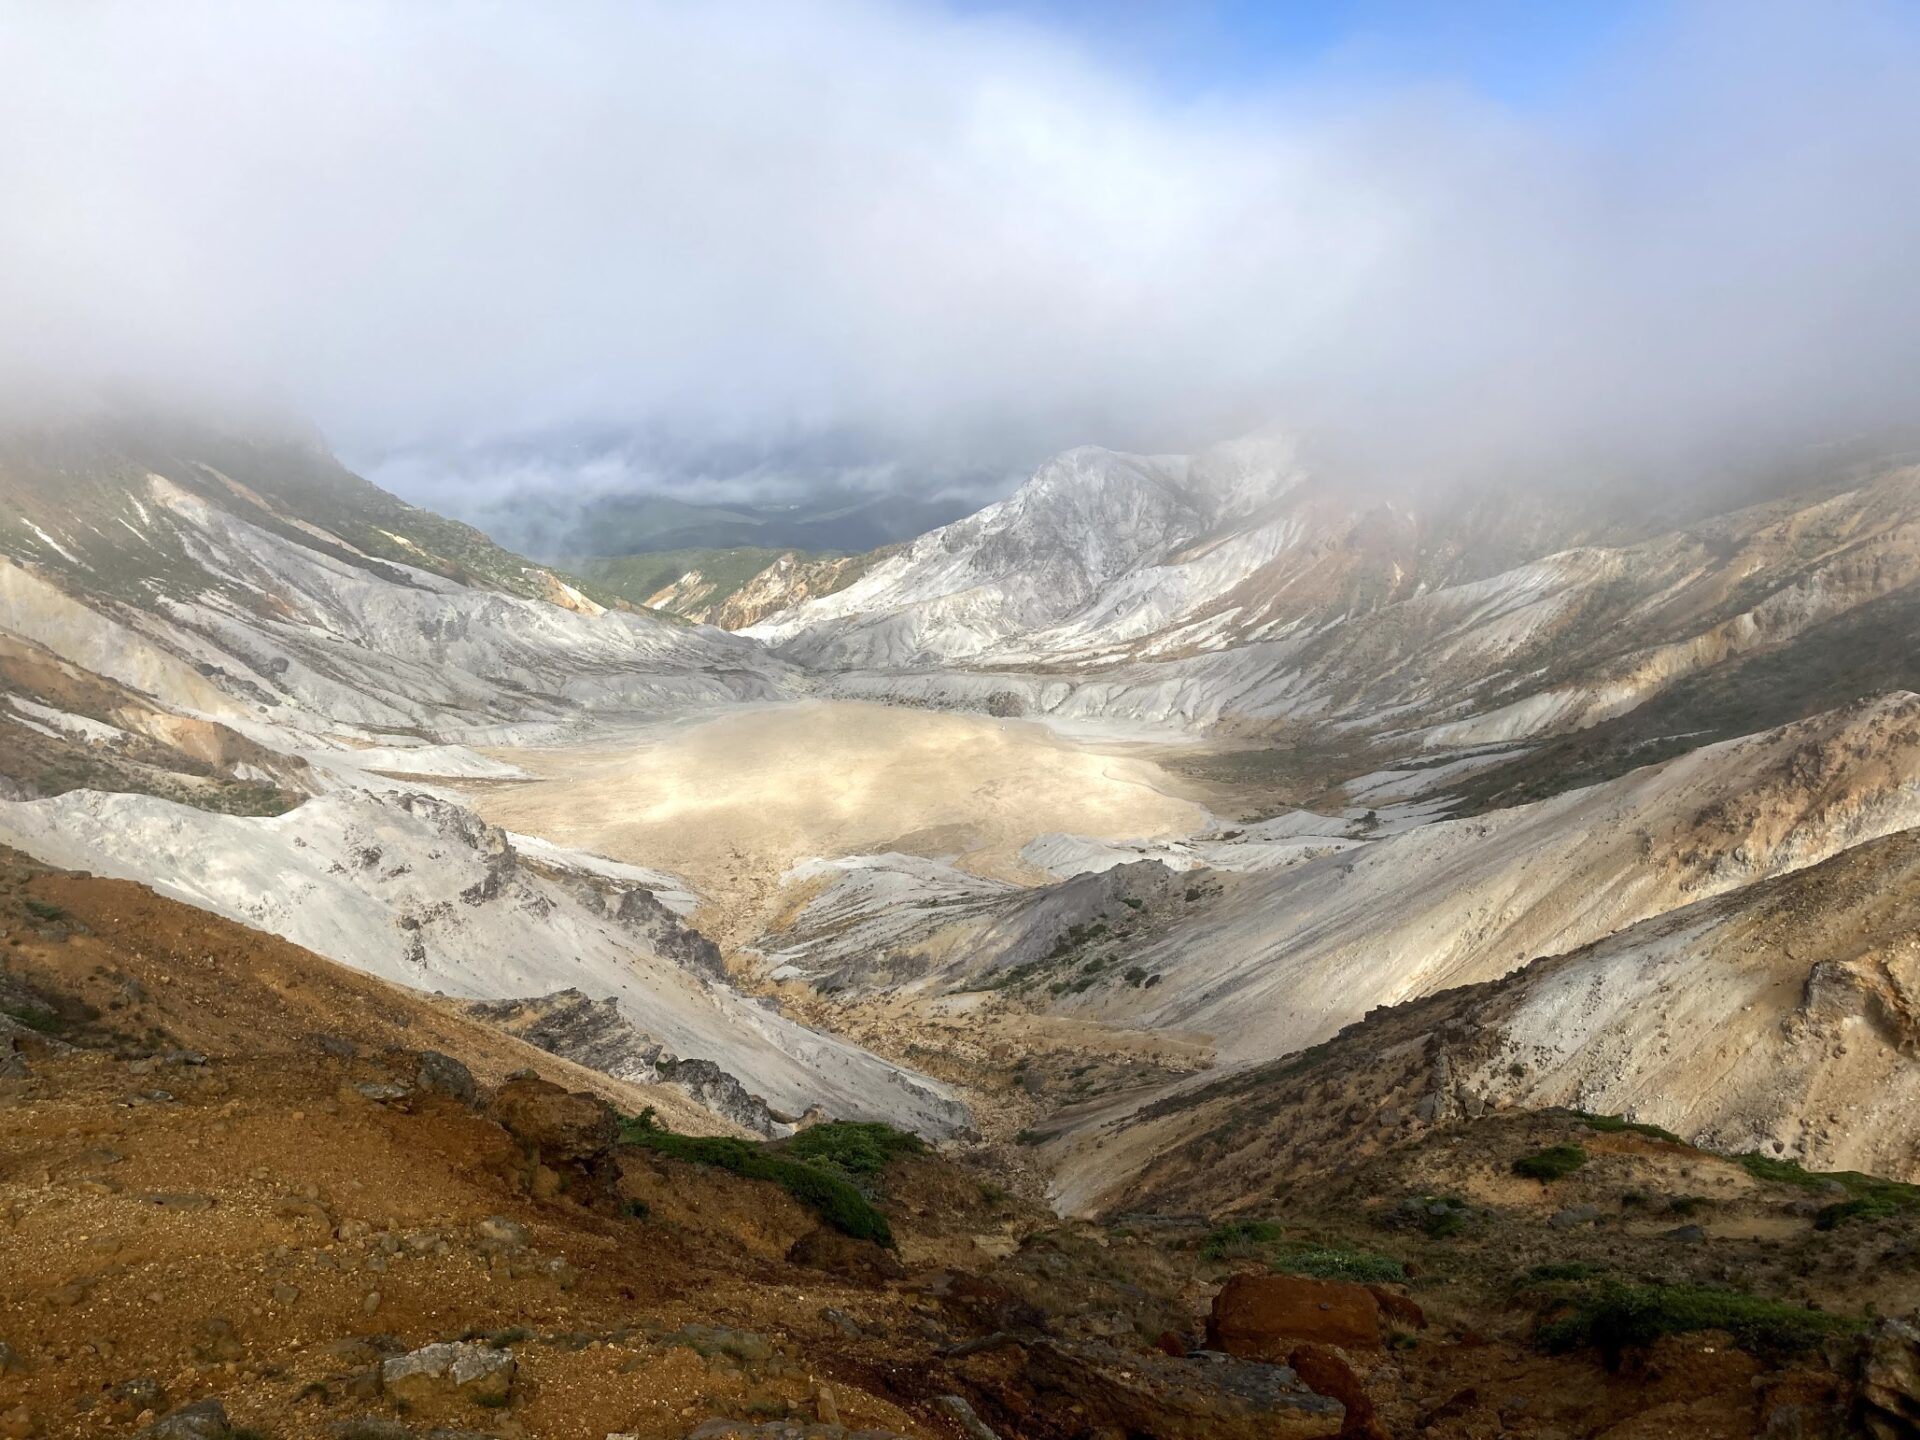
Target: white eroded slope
[419,891]
[1287,958]
[1779,1018]
[1081,538]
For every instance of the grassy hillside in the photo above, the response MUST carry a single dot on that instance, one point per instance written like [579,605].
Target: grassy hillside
[635,577]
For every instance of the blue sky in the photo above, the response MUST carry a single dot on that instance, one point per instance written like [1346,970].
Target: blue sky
[1522,53]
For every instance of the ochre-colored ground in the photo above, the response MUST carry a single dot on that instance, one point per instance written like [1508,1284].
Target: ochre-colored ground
[262,1218]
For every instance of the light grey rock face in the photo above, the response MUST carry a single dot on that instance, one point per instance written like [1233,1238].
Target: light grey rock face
[342,646]
[1075,538]
[418,890]
[873,929]
[451,1370]
[598,1035]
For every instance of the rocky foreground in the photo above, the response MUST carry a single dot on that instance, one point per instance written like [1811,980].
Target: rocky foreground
[248,1192]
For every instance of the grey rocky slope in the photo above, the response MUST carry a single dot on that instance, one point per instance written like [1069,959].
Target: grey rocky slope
[1235,591]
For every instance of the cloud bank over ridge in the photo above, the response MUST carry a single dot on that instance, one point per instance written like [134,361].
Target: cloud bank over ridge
[741,242]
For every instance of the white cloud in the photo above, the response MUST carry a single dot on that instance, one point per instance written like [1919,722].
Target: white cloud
[958,241]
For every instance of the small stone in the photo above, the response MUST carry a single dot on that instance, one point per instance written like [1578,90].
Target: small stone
[285,1294]
[451,1369]
[371,1303]
[1574,1216]
[498,1230]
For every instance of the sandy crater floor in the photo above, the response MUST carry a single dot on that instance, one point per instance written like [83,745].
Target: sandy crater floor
[732,802]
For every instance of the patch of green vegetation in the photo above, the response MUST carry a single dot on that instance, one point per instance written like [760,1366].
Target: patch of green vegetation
[1861,1207]
[1029,1137]
[1615,1316]
[42,910]
[1075,936]
[1615,1124]
[1239,1240]
[44,1022]
[1782,1172]
[1868,1197]
[1556,1162]
[1443,1216]
[833,1198]
[854,1148]
[1326,1262]
[636,577]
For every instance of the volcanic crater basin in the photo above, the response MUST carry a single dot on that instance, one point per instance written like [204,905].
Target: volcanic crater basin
[732,802]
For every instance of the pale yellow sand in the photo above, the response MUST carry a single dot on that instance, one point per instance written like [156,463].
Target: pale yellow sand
[733,802]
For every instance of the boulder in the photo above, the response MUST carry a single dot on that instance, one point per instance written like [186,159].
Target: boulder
[202,1420]
[1328,1372]
[1263,1317]
[1890,1379]
[562,1125]
[451,1370]
[837,1254]
[434,1071]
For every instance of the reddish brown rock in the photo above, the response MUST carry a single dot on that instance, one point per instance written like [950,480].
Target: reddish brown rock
[1401,1310]
[1263,1317]
[829,1250]
[1326,1371]
[562,1125]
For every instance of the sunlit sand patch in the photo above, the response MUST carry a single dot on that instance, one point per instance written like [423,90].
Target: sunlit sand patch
[733,802]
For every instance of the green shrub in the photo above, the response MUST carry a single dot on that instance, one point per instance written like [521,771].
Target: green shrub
[1239,1240]
[834,1199]
[1868,1197]
[43,910]
[1438,1217]
[1615,1317]
[46,1022]
[1781,1172]
[1860,1207]
[1556,1162]
[1363,1267]
[863,1148]
[1614,1124]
